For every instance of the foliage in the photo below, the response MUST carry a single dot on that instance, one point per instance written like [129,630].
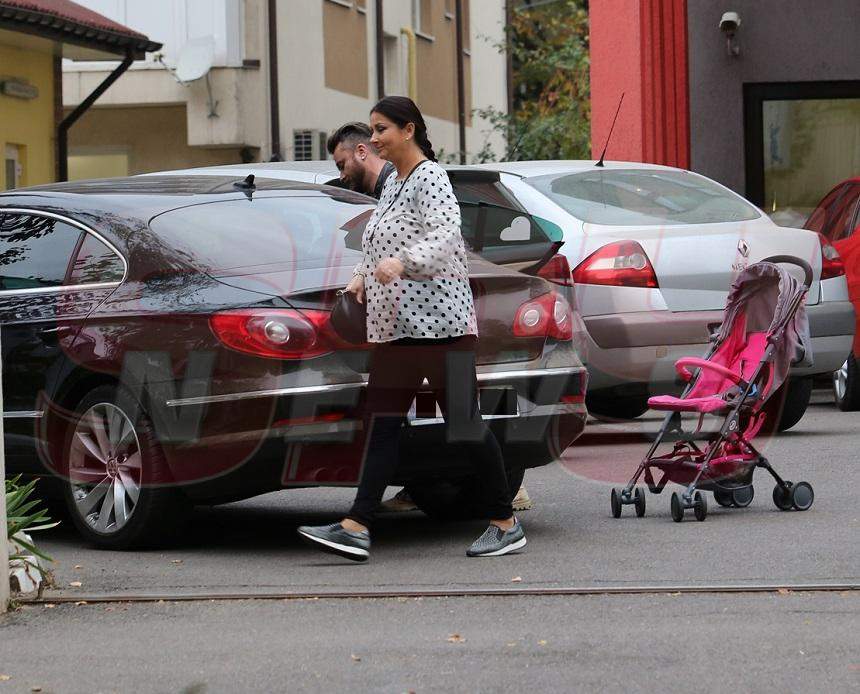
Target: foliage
[551,116]
[23,516]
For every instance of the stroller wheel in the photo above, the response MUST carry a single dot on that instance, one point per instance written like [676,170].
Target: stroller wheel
[615,501]
[677,508]
[723,498]
[743,496]
[639,502]
[700,506]
[802,496]
[782,496]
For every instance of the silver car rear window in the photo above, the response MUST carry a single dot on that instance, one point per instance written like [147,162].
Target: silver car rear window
[643,197]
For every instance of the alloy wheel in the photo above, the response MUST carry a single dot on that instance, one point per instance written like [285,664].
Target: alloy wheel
[105,468]
[840,381]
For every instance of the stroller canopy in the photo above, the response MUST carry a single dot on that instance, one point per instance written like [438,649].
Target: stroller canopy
[772,301]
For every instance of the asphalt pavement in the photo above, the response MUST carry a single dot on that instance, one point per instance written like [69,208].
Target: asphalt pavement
[778,641]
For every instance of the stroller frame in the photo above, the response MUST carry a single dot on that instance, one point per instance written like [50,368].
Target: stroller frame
[733,492]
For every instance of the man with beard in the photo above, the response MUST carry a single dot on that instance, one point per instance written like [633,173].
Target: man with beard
[361,168]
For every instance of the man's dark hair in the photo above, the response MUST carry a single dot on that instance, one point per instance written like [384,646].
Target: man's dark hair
[350,135]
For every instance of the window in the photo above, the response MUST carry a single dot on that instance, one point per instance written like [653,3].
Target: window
[95,263]
[13,167]
[622,197]
[34,251]
[288,233]
[801,139]
[422,17]
[309,145]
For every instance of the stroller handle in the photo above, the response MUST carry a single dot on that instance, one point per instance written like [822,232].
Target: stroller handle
[793,260]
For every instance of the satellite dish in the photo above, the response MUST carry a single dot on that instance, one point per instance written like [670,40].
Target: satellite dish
[195,59]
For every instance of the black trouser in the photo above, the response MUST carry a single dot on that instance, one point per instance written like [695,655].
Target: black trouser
[397,371]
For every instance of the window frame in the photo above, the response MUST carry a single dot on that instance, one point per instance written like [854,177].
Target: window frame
[754,96]
[59,289]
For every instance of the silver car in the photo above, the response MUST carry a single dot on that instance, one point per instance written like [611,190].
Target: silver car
[651,251]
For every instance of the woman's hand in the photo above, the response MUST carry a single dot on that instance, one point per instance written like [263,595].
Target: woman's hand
[356,286]
[388,270]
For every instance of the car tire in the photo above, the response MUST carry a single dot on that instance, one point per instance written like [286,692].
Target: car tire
[458,499]
[615,408]
[793,398]
[846,386]
[135,504]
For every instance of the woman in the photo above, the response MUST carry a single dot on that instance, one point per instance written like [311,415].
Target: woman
[421,314]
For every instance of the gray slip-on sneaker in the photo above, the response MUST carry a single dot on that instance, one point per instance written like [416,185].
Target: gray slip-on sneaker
[495,542]
[338,540]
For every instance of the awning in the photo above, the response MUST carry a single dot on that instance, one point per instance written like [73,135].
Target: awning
[71,24]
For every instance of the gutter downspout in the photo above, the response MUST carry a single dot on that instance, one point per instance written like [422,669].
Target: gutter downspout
[83,107]
[274,103]
[461,82]
[380,52]
[412,63]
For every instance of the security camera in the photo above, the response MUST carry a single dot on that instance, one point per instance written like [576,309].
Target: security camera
[729,26]
[730,22]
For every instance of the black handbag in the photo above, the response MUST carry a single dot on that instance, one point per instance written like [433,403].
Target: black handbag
[349,318]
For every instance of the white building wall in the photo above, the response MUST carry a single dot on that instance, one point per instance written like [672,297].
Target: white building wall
[489,76]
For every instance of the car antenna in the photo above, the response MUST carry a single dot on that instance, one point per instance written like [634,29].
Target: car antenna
[608,137]
[246,185]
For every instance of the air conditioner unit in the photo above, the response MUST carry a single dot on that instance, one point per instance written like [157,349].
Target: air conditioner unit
[309,145]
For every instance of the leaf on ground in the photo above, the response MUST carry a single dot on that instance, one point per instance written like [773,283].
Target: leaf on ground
[49,605]
[542,642]
[76,584]
[35,689]
[456,638]
[78,566]
[517,579]
[674,595]
[5,678]
[80,602]
[783,591]
[355,658]
[176,561]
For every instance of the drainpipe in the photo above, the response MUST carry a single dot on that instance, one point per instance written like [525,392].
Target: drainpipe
[83,107]
[412,63]
[380,52]
[274,103]
[461,82]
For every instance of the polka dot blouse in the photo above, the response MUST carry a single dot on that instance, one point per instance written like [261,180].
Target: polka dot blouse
[420,227]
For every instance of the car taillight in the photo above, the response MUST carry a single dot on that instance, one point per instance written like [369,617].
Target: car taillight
[831,262]
[557,270]
[549,315]
[274,333]
[622,264]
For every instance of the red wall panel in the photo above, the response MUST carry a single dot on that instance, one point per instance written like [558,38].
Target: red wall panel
[639,47]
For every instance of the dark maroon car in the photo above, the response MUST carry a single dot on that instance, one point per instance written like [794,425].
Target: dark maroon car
[166,342]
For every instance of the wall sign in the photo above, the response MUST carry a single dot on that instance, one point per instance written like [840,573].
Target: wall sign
[19,89]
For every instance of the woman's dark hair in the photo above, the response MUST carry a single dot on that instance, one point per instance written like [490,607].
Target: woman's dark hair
[402,110]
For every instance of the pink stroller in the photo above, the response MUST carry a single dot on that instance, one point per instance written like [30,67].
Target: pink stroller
[764,331]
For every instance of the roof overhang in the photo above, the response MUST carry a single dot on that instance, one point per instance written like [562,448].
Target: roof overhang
[79,40]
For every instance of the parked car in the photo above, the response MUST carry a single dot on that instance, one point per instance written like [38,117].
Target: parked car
[837,220]
[651,252]
[165,342]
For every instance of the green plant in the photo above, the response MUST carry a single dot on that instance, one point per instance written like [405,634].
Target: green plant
[551,116]
[23,517]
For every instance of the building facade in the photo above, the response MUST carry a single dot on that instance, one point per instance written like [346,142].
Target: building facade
[761,95]
[327,59]
[34,36]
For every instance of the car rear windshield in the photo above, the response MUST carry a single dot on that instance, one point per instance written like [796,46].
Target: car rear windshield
[235,236]
[643,197]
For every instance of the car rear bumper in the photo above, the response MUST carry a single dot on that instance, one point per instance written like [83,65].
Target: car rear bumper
[642,347]
[314,435]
